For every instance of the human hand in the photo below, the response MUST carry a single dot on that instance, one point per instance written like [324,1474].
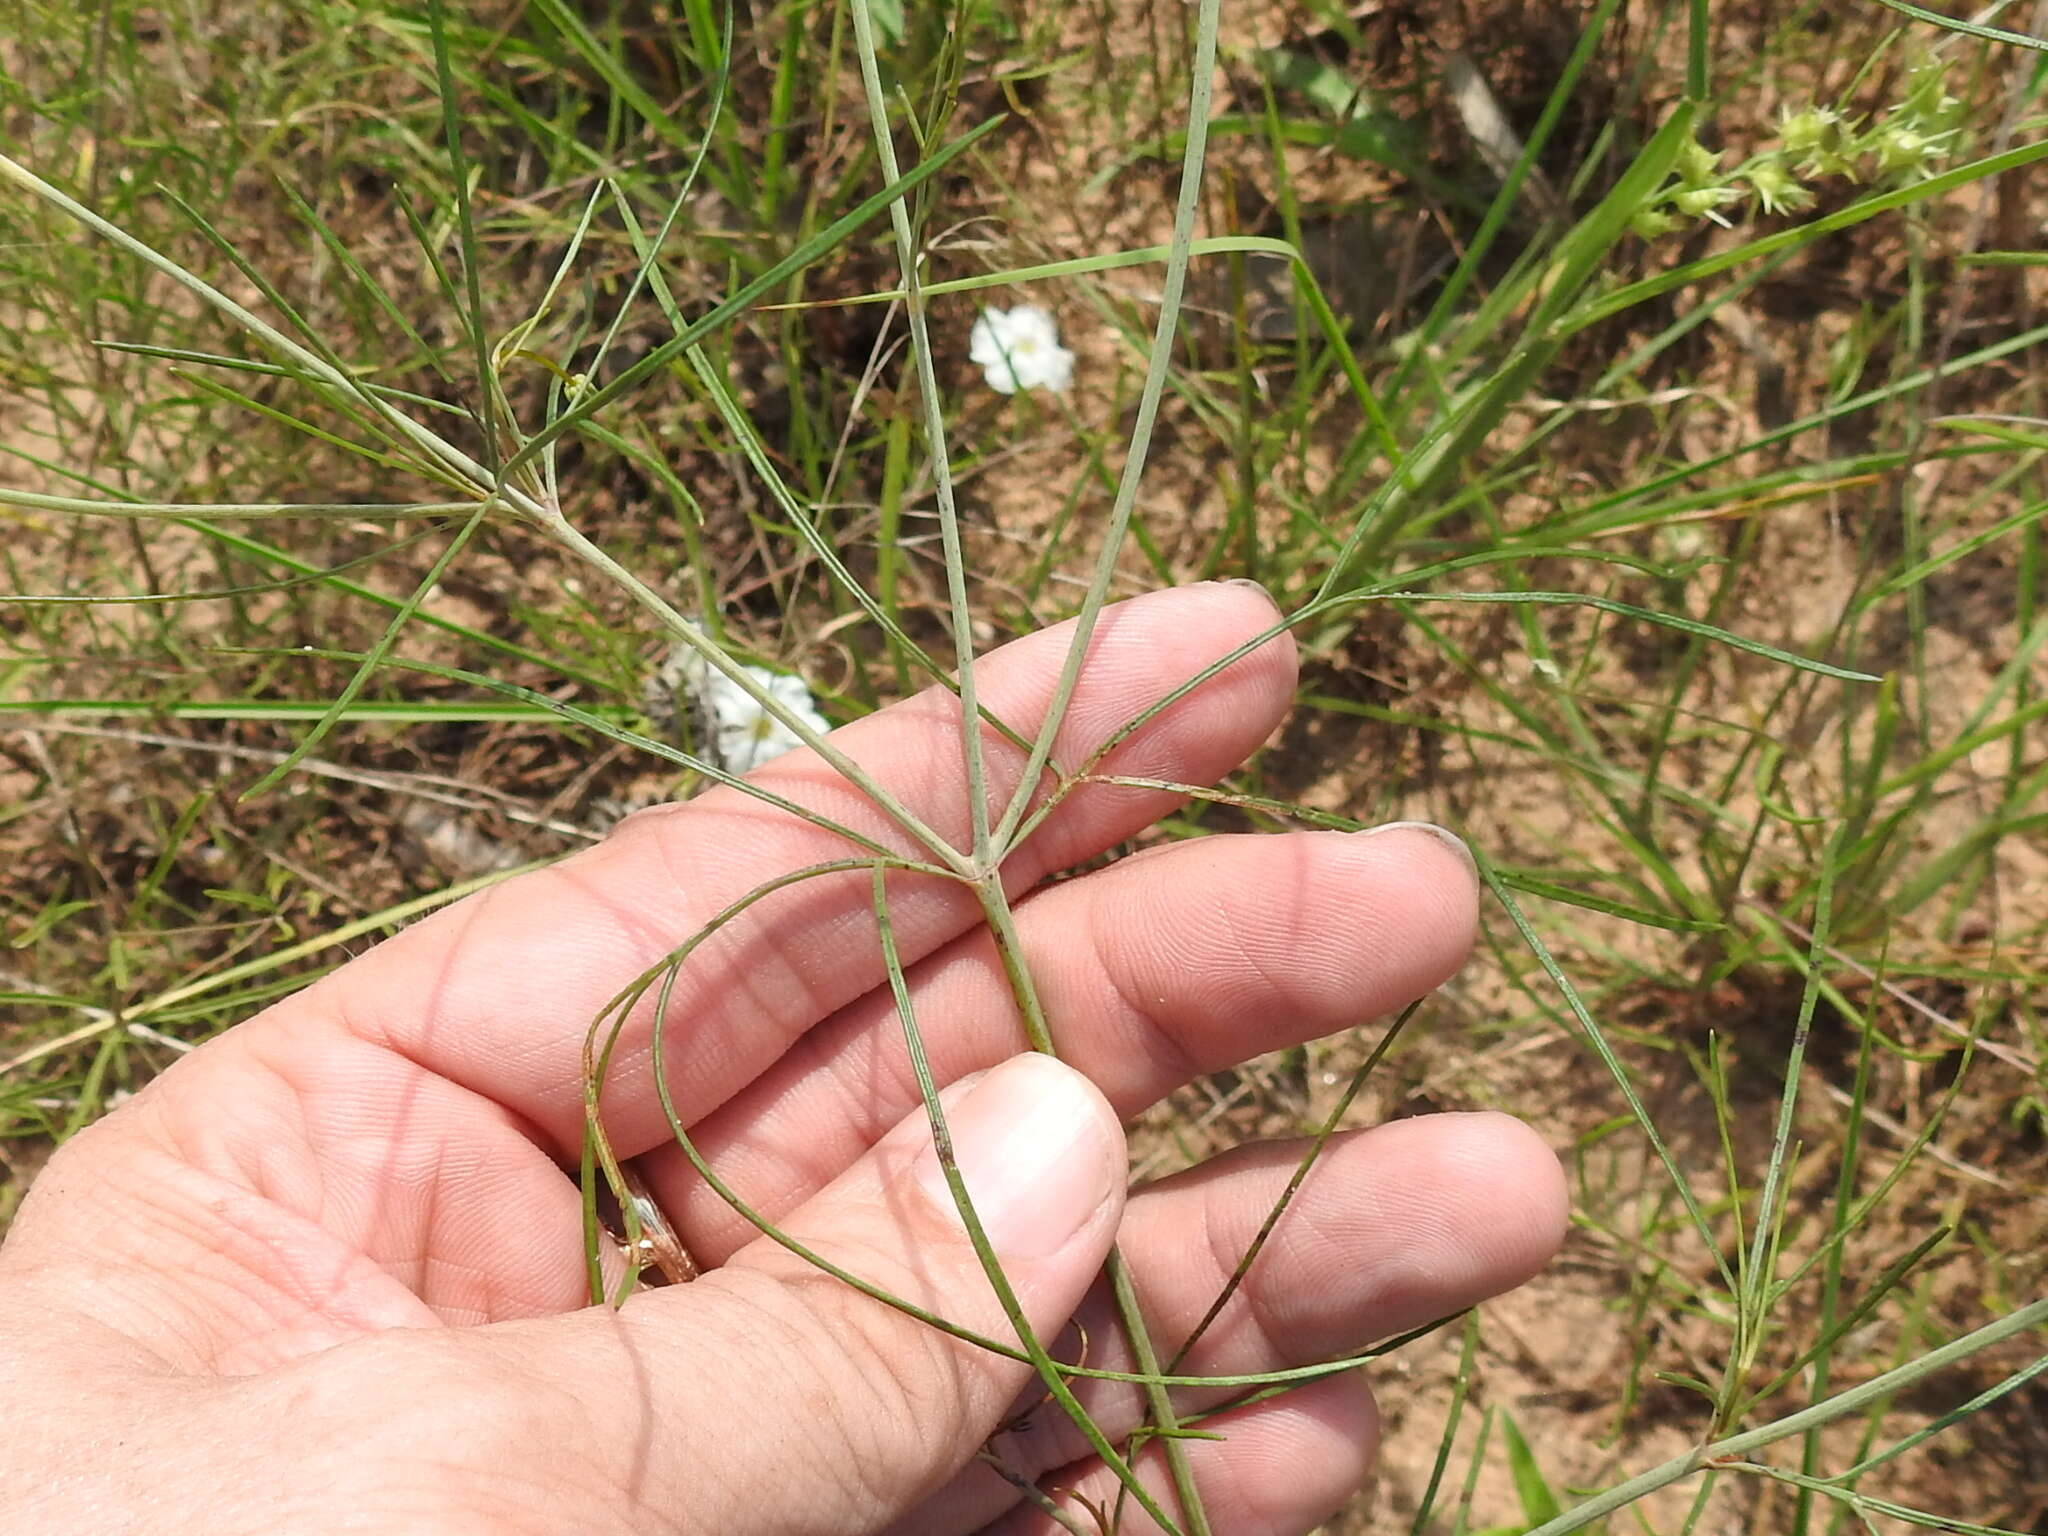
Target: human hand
[327,1272]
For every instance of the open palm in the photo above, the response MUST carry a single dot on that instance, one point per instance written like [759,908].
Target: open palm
[328,1272]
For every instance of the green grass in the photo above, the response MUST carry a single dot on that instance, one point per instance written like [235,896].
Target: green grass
[608,336]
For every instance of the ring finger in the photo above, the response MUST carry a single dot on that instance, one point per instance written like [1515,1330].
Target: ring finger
[1395,1227]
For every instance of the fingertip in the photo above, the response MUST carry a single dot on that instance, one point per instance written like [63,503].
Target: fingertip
[1312,1455]
[1435,873]
[1145,651]
[1206,621]
[1415,1219]
[1248,610]
[1505,1155]
[1041,1155]
[1487,1200]
[1445,839]
[1289,1465]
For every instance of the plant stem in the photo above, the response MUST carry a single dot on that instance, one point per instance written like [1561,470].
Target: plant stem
[591,554]
[1825,1412]
[942,1142]
[1002,923]
[1199,89]
[935,439]
[310,363]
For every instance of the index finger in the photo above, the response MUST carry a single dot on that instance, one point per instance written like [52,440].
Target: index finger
[497,992]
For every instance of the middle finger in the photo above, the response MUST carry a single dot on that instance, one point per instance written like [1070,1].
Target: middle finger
[1151,972]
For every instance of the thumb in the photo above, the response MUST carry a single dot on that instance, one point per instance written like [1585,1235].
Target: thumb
[772,1397]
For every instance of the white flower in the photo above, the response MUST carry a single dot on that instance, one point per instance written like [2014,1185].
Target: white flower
[747,734]
[1020,349]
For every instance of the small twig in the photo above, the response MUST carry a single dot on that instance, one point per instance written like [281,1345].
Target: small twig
[1934,1149]
[1036,1496]
[2005,1053]
[420,786]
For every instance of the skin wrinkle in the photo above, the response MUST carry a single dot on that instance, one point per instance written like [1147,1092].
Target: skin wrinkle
[802,1316]
[351,1085]
[890,1380]
[1254,975]
[1136,1018]
[413,1165]
[507,1415]
[277,1163]
[755,962]
[1141,954]
[1311,1435]
[169,1227]
[1224,1239]
[226,1248]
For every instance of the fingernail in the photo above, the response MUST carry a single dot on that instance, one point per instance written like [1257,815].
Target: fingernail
[1443,835]
[1039,1152]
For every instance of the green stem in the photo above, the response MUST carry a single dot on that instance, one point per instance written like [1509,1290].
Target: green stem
[89,507]
[1048,1369]
[1165,1423]
[935,438]
[591,554]
[1161,361]
[308,362]
[1826,1412]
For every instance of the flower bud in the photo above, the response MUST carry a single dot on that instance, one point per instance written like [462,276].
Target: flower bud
[1777,188]
[1651,223]
[1700,202]
[1698,166]
[1809,129]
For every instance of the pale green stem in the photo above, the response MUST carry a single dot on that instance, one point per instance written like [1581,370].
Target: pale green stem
[1002,924]
[1865,1506]
[577,544]
[1161,361]
[935,438]
[1840,1406]
[1753,1300]
[942,1143]
[88,507]
[432,443]
[984,848]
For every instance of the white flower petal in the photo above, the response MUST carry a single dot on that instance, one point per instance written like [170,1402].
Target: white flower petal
[983,343]
[1020,349]
[747,735]
[1059,370]
[1032,326]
